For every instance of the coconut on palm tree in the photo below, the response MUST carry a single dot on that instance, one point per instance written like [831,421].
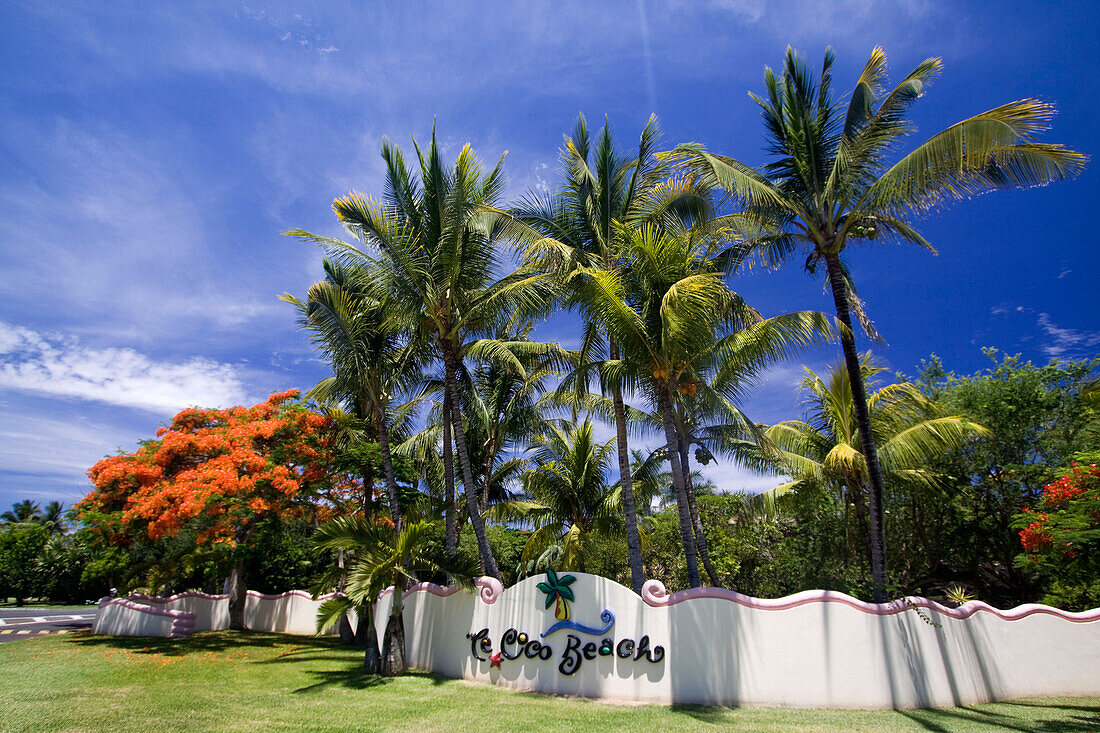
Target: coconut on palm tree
[830,184]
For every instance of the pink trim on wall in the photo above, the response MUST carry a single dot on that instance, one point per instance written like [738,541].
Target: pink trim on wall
[286,594]
[489,589]
[655,594]
[186,594]
[183,622]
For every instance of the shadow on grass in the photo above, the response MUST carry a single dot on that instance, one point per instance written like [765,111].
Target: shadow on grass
[354,678]
[948,719]
[215,641]
[704,713]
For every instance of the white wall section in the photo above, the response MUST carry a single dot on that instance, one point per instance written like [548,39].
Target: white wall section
[716,647]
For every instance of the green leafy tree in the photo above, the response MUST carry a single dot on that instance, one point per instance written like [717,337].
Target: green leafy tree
[827,450]
[20,548]
[1039,419]
[830,185]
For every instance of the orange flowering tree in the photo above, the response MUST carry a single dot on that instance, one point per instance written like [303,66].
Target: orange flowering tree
[216,474]
[1061,537]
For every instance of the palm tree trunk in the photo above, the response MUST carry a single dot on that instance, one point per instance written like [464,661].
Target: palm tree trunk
[393,640]
[633,540]
[488,562]
[696,520]
[671,444]
[387,465]
[450,539]
[863,422]
[366,636]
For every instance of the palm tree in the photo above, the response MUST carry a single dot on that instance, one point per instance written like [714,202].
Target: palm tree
[664,308]
[430,249]
[827,449]
[569,498]
[23,512]
[601,191]
[379,557]
[829,185]
[367,350]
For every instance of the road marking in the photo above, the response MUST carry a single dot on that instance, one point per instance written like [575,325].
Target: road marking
[7,631]
[23,620]
[24,632]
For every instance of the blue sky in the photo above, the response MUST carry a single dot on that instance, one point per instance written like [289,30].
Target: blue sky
[152,153]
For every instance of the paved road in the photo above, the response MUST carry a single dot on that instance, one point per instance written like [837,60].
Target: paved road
[28,623]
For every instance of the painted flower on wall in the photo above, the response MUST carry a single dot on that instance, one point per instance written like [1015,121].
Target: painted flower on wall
[557,591]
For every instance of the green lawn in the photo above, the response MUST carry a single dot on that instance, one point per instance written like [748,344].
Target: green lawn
[243,681]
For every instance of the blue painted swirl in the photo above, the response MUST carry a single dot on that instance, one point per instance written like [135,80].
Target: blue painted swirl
[607,617]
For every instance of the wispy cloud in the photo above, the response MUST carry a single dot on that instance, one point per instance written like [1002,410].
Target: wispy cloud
[1067,342]
[59,366]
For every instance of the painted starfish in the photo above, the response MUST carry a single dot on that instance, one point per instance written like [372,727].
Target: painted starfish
[494,660]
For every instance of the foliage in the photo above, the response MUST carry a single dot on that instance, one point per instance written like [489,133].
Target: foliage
[19,550]
[217,473]
[1061,537]
[568,499]
[1039,419]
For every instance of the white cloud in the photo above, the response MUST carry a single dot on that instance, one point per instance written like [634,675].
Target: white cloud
[1067,342]
[59,366]
[731,478]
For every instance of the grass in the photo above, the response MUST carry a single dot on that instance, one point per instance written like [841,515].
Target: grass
[247,681]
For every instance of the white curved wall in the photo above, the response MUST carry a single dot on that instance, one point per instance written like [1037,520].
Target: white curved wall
[211,611]
[123,617]
[815,649]
[293,612]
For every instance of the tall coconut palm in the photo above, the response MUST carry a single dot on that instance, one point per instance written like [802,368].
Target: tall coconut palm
[432,252]
[367,350]
[601,190]
[830,185]
[827,449]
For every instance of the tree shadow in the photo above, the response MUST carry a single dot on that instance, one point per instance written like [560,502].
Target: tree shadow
[215,641]
[705,713]
[948,719]
[354,678]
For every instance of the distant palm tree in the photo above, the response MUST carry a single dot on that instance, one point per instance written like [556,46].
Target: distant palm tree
[830,185]
[23,512]
[568,497]
[826,449]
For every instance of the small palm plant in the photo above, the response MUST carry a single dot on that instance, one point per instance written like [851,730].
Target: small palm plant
[379,558]
[959,594]
[558,593]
